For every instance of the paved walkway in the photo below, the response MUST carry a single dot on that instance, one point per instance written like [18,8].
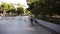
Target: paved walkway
[20,25]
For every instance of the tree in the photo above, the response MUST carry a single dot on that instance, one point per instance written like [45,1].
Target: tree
[20,10]
[44,7]
[11,11]
[4,7]
[10,8]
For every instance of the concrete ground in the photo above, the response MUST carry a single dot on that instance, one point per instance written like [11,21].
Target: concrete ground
[20,25]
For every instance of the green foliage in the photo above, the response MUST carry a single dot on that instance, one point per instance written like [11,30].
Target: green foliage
[11,11]
[44,7]
[4,7]
[20,10]
[10,8]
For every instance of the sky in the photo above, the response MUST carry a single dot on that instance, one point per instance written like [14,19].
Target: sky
[23,2]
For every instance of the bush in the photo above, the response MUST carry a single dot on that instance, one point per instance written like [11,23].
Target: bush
[51,19]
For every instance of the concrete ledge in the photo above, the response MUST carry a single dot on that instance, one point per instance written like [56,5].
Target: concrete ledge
[52,26]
